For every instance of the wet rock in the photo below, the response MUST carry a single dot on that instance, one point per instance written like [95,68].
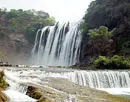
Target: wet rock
[44,99]
[33,92]
[63,90]
[3,97]
[36,93]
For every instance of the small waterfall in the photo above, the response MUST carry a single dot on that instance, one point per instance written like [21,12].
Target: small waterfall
[57,45]
[15,83]
[96,79]
[102,79]
[17,86]
[17,89]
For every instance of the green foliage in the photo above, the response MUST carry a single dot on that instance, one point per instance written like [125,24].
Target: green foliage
[115,62]
[50,20]
[126,46]
[102,32]
[24,21]
[31,32]
[112,14]
[3,83]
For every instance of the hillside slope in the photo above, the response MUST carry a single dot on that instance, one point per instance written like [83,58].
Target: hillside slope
[17,33]
[113,14]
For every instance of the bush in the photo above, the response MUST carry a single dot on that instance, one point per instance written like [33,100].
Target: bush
[101,62]
[115,62]
[101,33]
[3,83]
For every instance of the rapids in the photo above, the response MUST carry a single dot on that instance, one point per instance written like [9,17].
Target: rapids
[107,80]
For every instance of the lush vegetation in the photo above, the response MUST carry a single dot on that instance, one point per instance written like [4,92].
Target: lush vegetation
[24,21]
[106,30]
[112,14]
[3,86]
[115,62]
[3,83]
[101,33]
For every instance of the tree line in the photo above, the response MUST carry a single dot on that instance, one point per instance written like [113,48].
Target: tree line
[24,21]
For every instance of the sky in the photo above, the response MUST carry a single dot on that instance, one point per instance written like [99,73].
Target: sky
[62,10]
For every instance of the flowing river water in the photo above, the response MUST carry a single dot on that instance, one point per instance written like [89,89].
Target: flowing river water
[114,82]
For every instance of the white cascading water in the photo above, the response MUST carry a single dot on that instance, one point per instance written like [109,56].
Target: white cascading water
[110,81]
[57,45]
[96,79]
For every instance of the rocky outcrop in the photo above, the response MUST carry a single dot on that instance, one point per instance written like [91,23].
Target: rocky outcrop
[60,90]
[95,48]
[37,93]
[34,92]
[15,48]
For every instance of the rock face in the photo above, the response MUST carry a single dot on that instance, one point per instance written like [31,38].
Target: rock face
[15,48]
[95,48]
[62,90]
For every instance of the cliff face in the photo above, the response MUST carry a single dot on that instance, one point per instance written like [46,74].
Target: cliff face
[17,33]
[15,48]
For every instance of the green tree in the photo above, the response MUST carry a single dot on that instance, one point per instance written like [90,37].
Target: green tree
[25,21]
[101,33]
[115,62]
[112,14]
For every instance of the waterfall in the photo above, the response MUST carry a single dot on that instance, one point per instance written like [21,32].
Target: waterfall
[102,79]
[96,79]
[57,45]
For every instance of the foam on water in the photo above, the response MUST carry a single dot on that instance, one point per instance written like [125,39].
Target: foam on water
[114,82]
[16,96]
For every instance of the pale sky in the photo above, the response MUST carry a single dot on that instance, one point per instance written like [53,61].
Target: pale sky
[62,10]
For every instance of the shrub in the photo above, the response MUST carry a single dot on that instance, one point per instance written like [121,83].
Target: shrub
[101,33]
[3,83]
[101,62]
[115,62]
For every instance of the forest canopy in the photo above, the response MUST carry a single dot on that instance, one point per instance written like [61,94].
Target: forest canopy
[114,14]
[24,21]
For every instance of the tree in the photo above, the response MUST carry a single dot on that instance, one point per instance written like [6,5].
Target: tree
[101,33]
[25,21]
[100,40]
[112,14]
